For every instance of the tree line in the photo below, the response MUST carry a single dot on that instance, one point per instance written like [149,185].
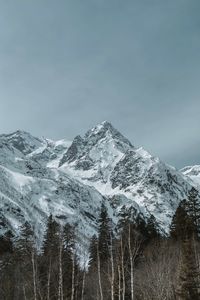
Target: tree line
[130,261]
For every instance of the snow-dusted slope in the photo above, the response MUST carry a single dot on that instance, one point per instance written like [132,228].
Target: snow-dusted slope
[31,188]
[26,198]
[71,180]
[193,174]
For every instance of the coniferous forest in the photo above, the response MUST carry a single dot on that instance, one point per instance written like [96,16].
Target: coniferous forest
[134,260]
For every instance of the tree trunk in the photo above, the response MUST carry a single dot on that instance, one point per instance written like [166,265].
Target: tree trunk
[83,286]
[73,277]
[112,269]
[131,263]
[123,272]
[60,288]
[119,283]
[99,272]
[34,275]
[48,281]
[24,291]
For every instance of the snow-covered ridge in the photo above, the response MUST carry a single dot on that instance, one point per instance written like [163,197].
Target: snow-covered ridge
[39,176]
[193,174]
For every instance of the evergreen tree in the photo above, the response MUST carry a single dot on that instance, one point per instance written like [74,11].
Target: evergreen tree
[186,220]
[25,242]
[99,260]
[6,244]
[7,268]
[141,227]
[49,261]
[184,228]
[104,234]
[128,215]
[93,252]
[69,260]
[152,228]
[22,262]
[180,222]
[193,210]
[51,239]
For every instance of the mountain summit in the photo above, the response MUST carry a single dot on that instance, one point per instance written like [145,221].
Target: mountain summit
[102,130]
[98,151]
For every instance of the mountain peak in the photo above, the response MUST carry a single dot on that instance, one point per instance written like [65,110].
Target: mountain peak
[105,128]
[22,141]
[19,134]
[105,125]
[102,142]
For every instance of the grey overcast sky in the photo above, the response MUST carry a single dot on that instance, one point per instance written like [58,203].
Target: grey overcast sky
[66,65]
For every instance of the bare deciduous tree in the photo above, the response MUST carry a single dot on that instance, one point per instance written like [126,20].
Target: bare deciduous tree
[156,276]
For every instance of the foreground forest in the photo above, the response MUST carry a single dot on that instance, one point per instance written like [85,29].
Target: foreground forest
[133,261]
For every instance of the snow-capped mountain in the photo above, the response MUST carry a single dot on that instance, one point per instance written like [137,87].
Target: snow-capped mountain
[106,160]
[70,180]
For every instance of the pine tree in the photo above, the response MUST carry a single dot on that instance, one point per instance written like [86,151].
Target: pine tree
[6,244]
[186,220]
[193,210]
[93,252]
[100,257]
[51,239]
[49,261]
[104,234]
[128,215]
[69,259]
[152,228]
[7,271]
[142,227]
[22,262]
[184,228]
[25,242]
[180,222]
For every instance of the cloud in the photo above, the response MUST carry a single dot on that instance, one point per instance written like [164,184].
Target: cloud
[66,66]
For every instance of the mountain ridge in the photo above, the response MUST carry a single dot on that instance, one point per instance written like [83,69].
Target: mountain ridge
[71,179]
